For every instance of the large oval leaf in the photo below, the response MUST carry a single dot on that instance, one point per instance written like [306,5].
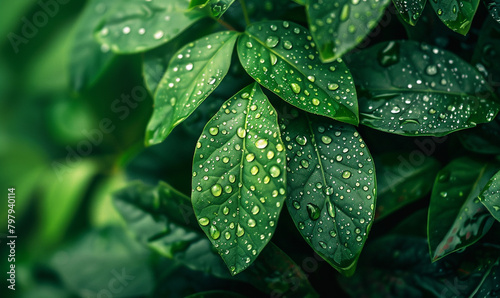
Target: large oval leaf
[402,178]
[282,57]
[331,188]
[137,25]
[456,14]
[193,73]
[410,11]
[239,177]
[412,89]
[490,196]
[456,217]
[214,8]
[339,26]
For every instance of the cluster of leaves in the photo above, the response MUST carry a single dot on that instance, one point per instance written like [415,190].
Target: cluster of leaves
[295,143]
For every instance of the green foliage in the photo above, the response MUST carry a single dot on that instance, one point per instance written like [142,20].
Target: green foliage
[161,140]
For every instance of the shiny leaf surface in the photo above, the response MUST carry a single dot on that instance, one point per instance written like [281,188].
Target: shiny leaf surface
[282,57]
[456,14]
[239,177]
[490,196]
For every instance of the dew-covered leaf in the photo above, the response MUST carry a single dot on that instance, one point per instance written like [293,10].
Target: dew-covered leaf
[239,177]
[88,59]
[392,266]
[410,10]
[137,25]
[282,57]
[331,187]
[163,219]
[155,62]
[412,89]
[456,217]
[490,196]
[494,8]
[401,180]
[456,14]
[339,26]
[214,8]
[193,73]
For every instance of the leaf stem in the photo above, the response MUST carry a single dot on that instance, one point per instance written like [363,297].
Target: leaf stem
[226,24]
[245,11]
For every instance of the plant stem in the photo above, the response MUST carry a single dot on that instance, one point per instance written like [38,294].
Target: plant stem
[227,25]
[245,11]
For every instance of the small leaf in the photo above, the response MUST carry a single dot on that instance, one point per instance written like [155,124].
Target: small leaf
[490,196]
[192,75]
[137,26]
[214,8]
[282,58]
[331,186]
[411,10]
[339,26]
[456,14]
[239,177]
[456,217]
[494,8]
[413,89]
[401,182]
[88,58]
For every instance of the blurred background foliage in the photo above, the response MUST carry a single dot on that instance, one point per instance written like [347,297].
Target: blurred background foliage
[71,241]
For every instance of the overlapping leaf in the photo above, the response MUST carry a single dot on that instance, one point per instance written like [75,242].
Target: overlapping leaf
[415,89]
[401,181]
[494,8]
[239,177]
[282,57]
[88,59]
[410,10]
[339,26]
[215,8]
[456,14]
[456,217]
[136,25]
[331,187]
[193,73]
[490,196]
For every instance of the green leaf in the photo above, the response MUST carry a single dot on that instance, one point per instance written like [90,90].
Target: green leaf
[331,187]
[137,26]
[490,196]
[301,2]
[412,89]
[339,26]
[494,8]
[88,59]
[163,219]
[411,10]
[239,177]
[192,74]
[456,14]
[456,217]
[282,58]
[489,287]
[214,8]
[401,180]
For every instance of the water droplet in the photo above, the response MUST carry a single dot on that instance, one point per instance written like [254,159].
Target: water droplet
[272,41]
[315,101]
[444,194]
[204,221]
[301,140]
[228,188]
[232,178]
[251,223]
[295,204]
[346,175]
[339,157]
[304,163]
[270,155]
[274,59]
[301,225]
[274,171]
[159,34]
[189,66]
[329,209]
[395,110]
[326,140]
[279,147]
[333,86]
[295,88]
[359,238]
[249,44]
[313,211]
[214,232]
[240,231]
[241,132]
[344,14]
[255,210]
[126,30]
[311,78]
[287,45]
[213,131]
[250,157]
[261,143]
[216,190]
[322,244]
[431,70]
[225,210]
[227,235]
[254,170]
